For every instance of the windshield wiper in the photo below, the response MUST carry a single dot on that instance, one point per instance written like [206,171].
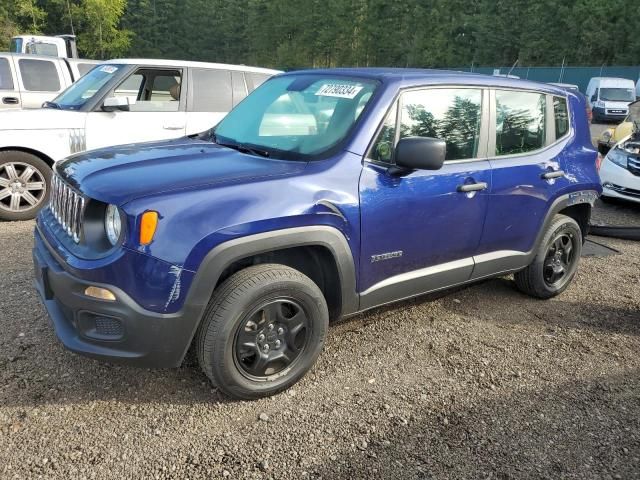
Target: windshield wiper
[243,148]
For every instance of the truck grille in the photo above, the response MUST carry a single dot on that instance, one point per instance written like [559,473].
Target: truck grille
[67,206]
[633,165]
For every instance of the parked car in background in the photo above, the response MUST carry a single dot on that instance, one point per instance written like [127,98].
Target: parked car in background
[620,168]
[118,102]
[611,136]
[244,241]
[63,46]
[610,97]
[27,81]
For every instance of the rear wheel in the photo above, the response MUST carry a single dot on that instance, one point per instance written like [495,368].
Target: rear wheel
[262,331]
[556,261]
[24,185]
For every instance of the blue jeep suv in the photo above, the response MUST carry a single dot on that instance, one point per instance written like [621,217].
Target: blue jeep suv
[323,194]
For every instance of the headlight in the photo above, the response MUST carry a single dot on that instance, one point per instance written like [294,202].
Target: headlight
[618,157]
[112,224]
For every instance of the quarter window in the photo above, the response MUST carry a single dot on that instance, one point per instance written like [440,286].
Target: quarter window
[6,82]
[212,91]
[561,115]
[520,122]
[39,75]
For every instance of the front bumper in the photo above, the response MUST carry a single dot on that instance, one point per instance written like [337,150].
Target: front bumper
[118,331]
[618,182]
[606,114]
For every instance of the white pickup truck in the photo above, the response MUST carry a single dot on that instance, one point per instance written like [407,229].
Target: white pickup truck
[26,80]
[118,102]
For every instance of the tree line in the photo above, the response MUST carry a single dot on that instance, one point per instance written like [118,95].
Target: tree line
[290,34]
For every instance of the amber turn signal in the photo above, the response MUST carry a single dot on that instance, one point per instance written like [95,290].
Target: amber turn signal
[148,226]
[100,293]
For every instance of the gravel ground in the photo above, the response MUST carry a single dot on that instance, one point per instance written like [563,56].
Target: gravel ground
[480,383]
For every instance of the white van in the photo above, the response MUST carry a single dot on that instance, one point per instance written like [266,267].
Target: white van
[609,98]
[117,102]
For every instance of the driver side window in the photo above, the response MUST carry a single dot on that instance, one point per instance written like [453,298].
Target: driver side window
[153,90]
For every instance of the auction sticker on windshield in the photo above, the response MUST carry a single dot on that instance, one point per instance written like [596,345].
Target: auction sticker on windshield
[109,69]
[338,90]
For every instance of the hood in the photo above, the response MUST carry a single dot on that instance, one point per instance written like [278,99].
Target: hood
[41,119]
[120,174]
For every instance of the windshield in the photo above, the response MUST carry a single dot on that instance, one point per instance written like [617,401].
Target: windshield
[74,97]
[617,94]
[296,116]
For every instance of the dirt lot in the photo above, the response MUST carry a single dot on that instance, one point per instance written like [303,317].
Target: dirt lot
[481,383]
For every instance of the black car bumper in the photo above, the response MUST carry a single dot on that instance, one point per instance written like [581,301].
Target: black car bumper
[118,331]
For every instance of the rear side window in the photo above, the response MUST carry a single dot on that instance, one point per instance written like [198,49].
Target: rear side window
[6,82]
[561,115]
[39,75]
[85,68]
[520,122]
[254,80]
[212,90]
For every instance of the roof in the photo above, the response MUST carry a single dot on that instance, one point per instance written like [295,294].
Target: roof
[185,63]
[407,77]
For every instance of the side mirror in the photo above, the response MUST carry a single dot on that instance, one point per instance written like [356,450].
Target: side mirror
[421,153]
[111,104]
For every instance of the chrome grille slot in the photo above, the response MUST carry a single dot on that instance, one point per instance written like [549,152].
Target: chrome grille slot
[67,207]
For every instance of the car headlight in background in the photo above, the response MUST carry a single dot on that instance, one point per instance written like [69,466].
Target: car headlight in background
[617,156]
[112,224]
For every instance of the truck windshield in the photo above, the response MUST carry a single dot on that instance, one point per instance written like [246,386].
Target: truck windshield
[617,94]
[74,97]
[296,116]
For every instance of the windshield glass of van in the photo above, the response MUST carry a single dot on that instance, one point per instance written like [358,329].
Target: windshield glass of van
[74,97]
[296,116]
[617,94]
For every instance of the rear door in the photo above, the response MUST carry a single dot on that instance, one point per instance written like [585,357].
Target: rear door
[527,135]
[40,80]
[9,93]
[158,113]
[210,98]
[419,230]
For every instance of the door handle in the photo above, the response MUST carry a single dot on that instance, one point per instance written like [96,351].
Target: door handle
[553,174]
[173,127]
[10,100]
[472,187]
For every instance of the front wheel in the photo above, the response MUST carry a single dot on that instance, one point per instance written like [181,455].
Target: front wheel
[556,261]
[24,182]
[263,329]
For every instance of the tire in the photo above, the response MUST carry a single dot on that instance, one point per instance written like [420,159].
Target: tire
[24,185]
[258,306]
[541,278]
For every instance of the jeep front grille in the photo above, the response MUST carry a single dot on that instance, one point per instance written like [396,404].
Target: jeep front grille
[67,206]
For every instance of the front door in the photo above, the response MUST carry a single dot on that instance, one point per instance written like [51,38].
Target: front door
[419,230]
[157,114]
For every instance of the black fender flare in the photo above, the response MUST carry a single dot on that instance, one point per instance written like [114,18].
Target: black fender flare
[225,254]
